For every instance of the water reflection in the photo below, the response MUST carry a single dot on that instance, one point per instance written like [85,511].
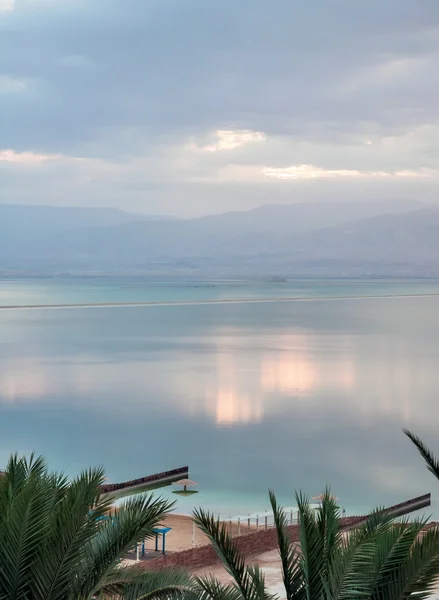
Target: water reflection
[233,408]
[33,379]
[25,381]
[301,366]
[231,397]
[232,382]
[299,396]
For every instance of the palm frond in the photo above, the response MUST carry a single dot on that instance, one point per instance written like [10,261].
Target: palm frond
[135,583]
[429,458]
[73,525]
[227,550]
[208,587]
[328,524]
[393,549]
[24,523]
[290,558]
[348,576]
[134,521]
[53,545]
[417,574]
[312,549]
[259,590]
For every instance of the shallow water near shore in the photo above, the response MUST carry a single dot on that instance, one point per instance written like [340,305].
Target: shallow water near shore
[251,395]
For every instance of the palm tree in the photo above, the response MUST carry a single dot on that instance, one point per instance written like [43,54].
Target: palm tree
[381,560]
[55,545]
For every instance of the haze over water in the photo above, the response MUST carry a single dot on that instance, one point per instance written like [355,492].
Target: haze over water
[250,395]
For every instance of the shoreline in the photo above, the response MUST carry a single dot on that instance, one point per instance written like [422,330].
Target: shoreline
[166,303]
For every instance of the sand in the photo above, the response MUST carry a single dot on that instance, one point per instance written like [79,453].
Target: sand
[181,536]
[270,565]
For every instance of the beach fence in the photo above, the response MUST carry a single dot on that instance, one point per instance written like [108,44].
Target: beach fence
[264,519]
[244,524]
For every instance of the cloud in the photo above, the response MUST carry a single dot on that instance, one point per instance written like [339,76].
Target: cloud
[229,140]
[11,85]
[172,102]
[31,158]
[7,5]
[313,172]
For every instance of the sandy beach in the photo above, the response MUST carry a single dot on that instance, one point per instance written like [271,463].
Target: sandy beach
[181,537]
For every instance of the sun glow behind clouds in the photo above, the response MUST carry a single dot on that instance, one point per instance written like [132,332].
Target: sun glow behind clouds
[228,139]
[10,156]
[313,172]
[33,158]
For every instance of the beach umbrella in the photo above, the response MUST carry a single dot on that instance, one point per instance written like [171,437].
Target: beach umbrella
[320,497]
[185,483]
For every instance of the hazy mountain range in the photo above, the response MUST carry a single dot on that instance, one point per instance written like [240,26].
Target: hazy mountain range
[306,239]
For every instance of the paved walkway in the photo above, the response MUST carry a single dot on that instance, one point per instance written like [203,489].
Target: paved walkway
[270,564]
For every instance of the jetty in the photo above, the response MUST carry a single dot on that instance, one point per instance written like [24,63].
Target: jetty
[397,510]
[142,484]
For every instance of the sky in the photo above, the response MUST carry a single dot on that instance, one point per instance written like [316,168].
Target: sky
[192,107]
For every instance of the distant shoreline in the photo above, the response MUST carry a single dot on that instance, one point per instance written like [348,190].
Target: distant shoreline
[207,301]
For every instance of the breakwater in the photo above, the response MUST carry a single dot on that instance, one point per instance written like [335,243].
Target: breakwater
[144,483]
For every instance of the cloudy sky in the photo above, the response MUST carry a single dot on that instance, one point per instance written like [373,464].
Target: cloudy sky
[198,106]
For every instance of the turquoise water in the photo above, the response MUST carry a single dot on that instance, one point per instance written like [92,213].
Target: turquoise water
[252,395]
[42,292]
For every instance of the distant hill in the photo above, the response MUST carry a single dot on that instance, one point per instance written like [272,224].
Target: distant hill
[326,238]
[411,237]
[303,216]
[16,219]
[25,226]
[401,244]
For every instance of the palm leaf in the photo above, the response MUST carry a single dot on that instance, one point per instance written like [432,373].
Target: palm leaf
[24,520]
[135,583]
[135,521]
[312,549]
[209,588]
[422,569]
[72,526]
[53,547]
[227,550]
[430,460]
[290,558]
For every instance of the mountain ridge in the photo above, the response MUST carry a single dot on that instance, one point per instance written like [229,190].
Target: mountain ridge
[292,241]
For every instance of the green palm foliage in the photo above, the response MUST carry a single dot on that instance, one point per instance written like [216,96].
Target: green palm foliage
[430,460]
[54,547]
[380,560]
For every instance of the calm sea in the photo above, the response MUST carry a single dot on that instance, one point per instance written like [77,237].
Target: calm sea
[282,394]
